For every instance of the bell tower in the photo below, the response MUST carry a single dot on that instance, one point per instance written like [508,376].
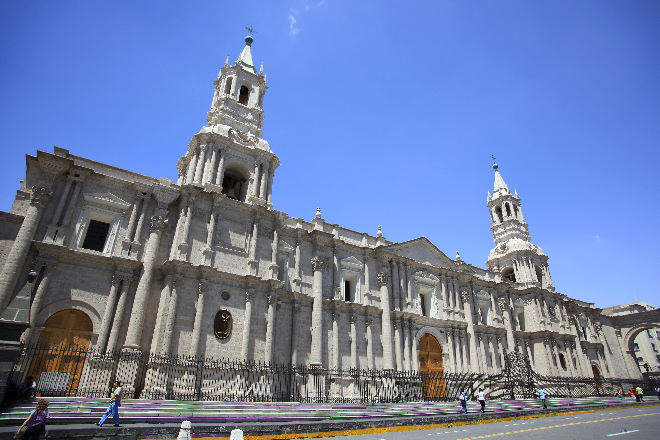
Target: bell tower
[228,154]
[514,257]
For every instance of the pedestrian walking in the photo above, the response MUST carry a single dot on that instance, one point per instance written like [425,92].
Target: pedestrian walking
[634,391]
[36,422]
[542,396]
[482,400]
[113,408]
[640,394]
[657,390]
[462,399]
[27,389]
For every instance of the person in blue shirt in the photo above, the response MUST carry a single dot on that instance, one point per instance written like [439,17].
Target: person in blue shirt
[463,400]
[542,395]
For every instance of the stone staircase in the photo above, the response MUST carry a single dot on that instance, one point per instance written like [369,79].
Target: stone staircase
[86,411]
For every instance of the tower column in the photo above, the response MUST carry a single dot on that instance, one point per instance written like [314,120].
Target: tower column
[264,180]
[220,174]
[208,176]
[192,165]
[15,260]
[316,357]
[200,163]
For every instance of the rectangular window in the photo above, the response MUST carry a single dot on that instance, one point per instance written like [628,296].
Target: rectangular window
[97,234]
[347,290]
[422,300]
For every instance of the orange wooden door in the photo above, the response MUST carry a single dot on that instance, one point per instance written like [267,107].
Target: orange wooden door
[61,352]
[431,367]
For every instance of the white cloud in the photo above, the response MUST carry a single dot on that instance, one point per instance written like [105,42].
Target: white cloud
[293,29]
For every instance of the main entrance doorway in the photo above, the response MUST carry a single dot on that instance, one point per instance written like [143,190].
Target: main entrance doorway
[58,359]
[431,368]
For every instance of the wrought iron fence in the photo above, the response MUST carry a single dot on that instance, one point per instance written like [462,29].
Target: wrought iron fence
[76,371]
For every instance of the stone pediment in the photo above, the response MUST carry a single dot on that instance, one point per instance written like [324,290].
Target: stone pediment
[351,263]
[285,247]
[107,200]
[423,251]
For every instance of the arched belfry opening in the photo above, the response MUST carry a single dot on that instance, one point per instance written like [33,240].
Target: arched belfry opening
[431,367]
[508,274]
[244,95]
[234,182]
[498,213]
[228,85]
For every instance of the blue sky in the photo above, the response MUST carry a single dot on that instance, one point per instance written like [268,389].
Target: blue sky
[382,113]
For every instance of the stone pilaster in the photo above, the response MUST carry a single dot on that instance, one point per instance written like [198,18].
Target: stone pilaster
[295,309]
[220,175]
[253,264]
[316,358]
[466,298]
[354,342]
[273,253]
[200,163]
[413,347]
[122,310]
[450,349]
[397,344]
[386,322]
[108,313]
[396,297]
[15,259]
[407,361]
[370,344]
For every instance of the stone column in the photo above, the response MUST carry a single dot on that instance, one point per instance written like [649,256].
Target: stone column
[316,357]
[367,279]
[184,245]
[555,351]
[370,344]
[500,347]
[507,311]
[66,221]
[108,313]
[192,166]
[141,219]
[397,344]
[386,322]
[483,364]
[296,266]
[493,354]
[403,297]
[407,361]
[136,323]
[130,229]
[270,327]
[336,288]
[466,298]
[253,264]
[409,289]
[459,354]
[334,314]
[48,270]
[55,220]
[247,326]
[208,170]
[200,163]
[208,252]
[413,347]
[199,317]
[444,292]
[15,259]
[295,309]
[450,349]
[220,174]
[264,180]
[354,342]
[270,184]
[396,296]
[122,309]
[273,253]
[174,282]
[255,178]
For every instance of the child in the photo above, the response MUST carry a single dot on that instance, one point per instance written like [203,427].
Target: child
[36,421]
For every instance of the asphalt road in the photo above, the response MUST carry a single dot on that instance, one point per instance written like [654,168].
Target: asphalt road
[623,424]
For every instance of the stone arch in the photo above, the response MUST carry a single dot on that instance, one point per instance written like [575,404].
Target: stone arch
[57,306]
[438,334]
[629,341]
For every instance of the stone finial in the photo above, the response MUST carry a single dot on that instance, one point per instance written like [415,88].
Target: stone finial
[261,69]
[458,256]
[226,61]
[318,212]
[379,234]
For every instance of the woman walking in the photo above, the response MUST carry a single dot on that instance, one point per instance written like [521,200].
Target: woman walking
[36,422]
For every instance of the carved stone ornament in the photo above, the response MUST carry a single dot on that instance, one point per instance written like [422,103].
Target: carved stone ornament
[381,278]
[502,303]
[318,264]
[40,195]
[225,295]
[598,328]
[465,295]
[222,324]
[242,138]
[157,223]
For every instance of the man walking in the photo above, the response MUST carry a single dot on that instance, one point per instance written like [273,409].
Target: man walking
[640,394]
[542,395]
[482,400]
[462,399]
[113,408]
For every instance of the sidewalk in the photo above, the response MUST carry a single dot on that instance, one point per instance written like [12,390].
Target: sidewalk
[73,418]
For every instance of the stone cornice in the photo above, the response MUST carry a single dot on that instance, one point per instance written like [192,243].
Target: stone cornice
[631,319]
[73,256]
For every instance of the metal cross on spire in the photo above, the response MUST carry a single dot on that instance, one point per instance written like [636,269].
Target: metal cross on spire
[492,157]
[250,29]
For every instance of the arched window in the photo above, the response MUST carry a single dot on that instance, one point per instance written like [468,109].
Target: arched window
[508,209]
[562,361]
[228,85]
[515,211]
[539,274]
[234,183]
[509,275]
[244,95]
[498,213]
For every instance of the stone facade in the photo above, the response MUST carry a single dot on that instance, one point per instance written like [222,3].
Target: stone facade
[152,263]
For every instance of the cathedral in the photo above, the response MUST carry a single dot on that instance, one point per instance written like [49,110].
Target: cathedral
[105,258]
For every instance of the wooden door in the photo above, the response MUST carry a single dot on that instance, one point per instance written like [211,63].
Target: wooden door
[431,367]
[61,351]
